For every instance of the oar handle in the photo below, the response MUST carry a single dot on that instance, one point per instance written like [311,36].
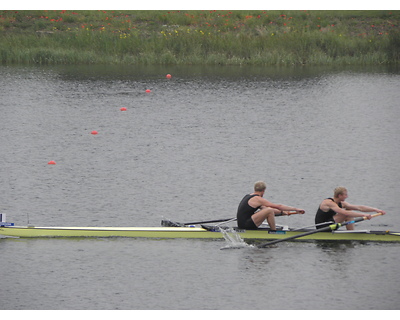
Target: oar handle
[294,212]
[288,213]
[366,217]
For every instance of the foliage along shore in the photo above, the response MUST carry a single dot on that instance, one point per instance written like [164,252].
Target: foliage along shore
[207,37]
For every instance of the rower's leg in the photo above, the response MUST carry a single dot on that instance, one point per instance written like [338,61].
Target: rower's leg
[265,214]
[340,218]
[351,225]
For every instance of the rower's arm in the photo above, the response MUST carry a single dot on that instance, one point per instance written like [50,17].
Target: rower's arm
[280,207]
[349,206]
[283,207]
[346,210]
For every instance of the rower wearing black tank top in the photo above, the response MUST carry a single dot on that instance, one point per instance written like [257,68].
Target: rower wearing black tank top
[323,216]
[254,209]
[337,210]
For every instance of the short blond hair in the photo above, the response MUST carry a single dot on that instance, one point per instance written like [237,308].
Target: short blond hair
[339,190]
[260,186]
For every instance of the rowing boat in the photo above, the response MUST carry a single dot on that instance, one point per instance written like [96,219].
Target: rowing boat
[192,232]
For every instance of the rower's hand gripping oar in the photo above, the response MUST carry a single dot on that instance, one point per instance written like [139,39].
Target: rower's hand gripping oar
[331,227]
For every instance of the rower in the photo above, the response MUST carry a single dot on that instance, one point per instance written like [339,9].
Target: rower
[254,209]
[337,210]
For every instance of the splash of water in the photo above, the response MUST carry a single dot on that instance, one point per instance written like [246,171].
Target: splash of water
[233,239]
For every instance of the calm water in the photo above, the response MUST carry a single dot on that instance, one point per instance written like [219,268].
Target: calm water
[190,150]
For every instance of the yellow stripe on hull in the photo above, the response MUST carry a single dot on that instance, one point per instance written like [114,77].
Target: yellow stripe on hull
[180,232]
[134,232]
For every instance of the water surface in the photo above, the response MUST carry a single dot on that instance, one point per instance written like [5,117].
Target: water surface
[190,150]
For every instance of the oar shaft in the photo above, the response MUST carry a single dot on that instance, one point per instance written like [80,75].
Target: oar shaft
[222,220]
[313,225]
[209,221]
[169,223]
[332,227]
[296,236]
[227,221]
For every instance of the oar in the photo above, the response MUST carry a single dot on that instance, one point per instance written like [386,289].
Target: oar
[168,223]
[217,228]
[332,227]
[313,225]
[224,222]
[209,221]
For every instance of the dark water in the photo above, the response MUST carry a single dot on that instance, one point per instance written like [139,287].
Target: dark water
[190,150]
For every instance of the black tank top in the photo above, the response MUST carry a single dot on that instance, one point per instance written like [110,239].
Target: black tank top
[245,211]
[323,216]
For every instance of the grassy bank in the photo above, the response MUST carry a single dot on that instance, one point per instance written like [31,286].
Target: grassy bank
[200,37]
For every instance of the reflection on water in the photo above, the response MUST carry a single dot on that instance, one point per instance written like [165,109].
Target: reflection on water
[335,247]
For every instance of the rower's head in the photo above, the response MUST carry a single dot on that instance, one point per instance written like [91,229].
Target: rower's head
[341,193]
[260,186]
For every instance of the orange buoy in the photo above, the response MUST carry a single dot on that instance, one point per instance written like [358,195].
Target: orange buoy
[123,109]
[168,76]
[148,90]
[94,132]
[51,162]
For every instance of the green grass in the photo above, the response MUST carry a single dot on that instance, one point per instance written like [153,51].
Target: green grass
[200,37]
